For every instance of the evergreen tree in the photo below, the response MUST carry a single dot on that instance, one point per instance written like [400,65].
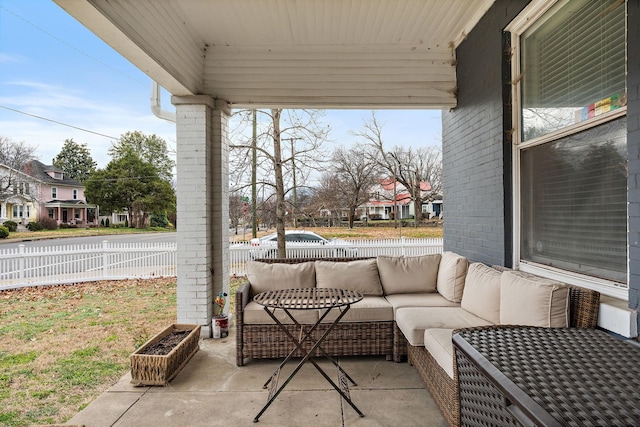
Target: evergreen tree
[75,160]
[130,183]
[149,148]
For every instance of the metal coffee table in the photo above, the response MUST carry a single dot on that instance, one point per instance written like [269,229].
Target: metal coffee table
[324,300]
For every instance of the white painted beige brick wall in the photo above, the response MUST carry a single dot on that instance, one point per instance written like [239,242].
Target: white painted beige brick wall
[202,198]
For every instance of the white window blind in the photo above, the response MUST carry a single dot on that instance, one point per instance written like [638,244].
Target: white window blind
[573,65]
[574,202]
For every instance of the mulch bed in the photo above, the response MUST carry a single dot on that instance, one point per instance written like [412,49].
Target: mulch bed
[166,344]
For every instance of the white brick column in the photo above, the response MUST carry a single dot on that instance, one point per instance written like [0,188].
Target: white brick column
[203,206]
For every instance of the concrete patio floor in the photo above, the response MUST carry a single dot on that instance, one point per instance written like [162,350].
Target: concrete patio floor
[212,391]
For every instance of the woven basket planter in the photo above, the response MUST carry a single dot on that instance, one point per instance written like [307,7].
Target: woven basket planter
[149,369]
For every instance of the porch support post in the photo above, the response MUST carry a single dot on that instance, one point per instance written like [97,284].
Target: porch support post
[202,192]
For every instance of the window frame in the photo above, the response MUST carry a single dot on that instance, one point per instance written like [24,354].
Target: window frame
[54,192]
[530,16]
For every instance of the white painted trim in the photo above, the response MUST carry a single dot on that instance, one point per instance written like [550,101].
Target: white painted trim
[614,318]
[575,128]
[605,287]
[529,16]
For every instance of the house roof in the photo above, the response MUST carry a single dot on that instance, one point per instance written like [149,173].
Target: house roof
[39,170]
[292,53]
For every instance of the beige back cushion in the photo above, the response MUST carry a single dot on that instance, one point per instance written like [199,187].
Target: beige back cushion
[452,273]
[533,301]
[361,276]
[404,275]
[482,292]
[269,277]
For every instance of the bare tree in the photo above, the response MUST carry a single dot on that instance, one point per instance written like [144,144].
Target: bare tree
[418,170]
[289,149]
[235,210]
[14,155]
[327,197]
[355,171]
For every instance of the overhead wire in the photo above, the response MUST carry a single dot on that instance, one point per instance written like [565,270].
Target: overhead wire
[58,39]
[57,122]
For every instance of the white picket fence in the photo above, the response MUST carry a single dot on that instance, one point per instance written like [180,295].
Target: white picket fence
[33,266]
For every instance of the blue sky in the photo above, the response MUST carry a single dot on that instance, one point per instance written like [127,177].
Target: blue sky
[53,67]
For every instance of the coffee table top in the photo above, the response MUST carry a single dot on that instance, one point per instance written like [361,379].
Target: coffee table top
[308,298]
[578,376]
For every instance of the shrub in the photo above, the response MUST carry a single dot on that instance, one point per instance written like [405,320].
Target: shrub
[106,222]
[126,223]
[34,226]
[12,226]
[102,222]
[159,220]
[63,226]
[48,223]
[4,232]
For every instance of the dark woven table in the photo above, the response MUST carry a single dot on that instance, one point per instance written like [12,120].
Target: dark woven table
[537,376]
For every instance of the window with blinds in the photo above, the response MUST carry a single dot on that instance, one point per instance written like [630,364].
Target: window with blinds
[573,183]
[572,65]
[574,202]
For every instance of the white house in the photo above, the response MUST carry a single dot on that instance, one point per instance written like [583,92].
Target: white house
[18,196]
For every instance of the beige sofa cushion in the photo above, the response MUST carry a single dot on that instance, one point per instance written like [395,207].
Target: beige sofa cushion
[532,301]
[403,275]
[361,276]
[269,277]
[439,344]
[369,309]
[413,321]
[254,314]
[451,276]
[419,300]
[482,292]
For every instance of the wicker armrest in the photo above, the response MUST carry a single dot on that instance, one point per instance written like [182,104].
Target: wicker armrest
[243,296]
[584,305]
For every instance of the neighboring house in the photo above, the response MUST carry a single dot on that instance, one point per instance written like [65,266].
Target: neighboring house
[120,217]
[381,204]
[60,197]
[18,201]
[433,209]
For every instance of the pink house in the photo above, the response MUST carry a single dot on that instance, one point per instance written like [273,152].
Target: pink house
[60,197]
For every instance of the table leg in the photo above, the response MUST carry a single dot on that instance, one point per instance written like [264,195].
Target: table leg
[307,335]
[307,357]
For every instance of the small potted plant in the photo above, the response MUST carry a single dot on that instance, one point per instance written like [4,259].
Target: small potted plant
[220,322]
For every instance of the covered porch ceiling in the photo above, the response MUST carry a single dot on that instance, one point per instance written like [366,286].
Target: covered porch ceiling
[292,53]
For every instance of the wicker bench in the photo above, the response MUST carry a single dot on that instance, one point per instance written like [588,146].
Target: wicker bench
[260,341]
[583,312]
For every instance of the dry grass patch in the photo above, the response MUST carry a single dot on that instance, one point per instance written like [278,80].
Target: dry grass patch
[362,233]
[61,347]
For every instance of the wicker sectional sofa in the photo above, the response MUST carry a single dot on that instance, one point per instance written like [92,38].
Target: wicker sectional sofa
[411,308]
[368,329]
[492,296]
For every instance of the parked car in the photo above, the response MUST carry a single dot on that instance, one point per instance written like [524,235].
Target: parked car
[301,244]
